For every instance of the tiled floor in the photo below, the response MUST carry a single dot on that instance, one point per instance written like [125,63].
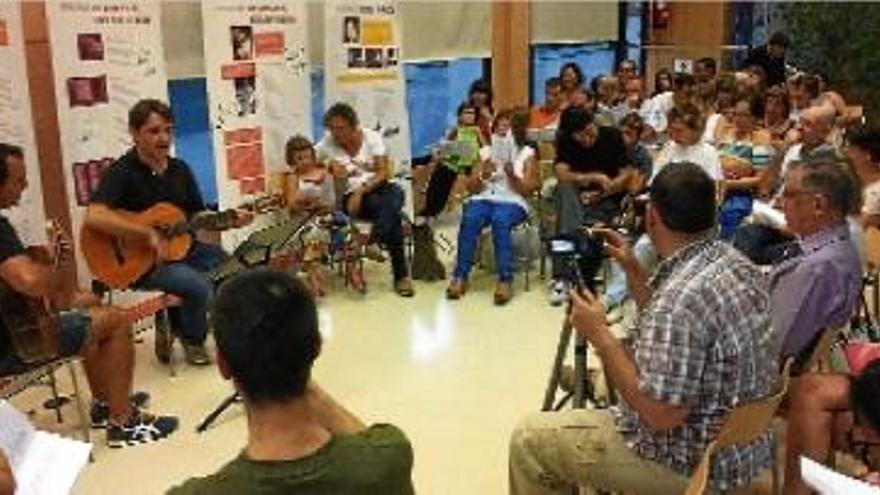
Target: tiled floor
[455,376]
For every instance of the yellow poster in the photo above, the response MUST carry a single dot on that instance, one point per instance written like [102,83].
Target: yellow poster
[377,32]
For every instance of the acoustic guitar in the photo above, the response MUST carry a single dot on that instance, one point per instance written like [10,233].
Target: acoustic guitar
[120,261]
[30,321]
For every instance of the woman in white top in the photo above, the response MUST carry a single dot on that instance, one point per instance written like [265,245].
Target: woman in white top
[500,185]
[358,156]
[685,130]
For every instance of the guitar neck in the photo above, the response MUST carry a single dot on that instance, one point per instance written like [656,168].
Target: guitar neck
[147,308]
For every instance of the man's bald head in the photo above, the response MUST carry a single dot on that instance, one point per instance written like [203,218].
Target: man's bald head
[817,123]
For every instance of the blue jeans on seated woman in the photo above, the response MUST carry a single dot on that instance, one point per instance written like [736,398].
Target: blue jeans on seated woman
[503,217]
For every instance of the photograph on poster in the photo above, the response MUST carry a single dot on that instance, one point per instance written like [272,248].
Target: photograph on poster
[244,161]
[355,58]
[87,91]
[252,185]
[242,42]
[90,46]
[269,44]
[351,29]
[245,95]
[391,57]
[374,58]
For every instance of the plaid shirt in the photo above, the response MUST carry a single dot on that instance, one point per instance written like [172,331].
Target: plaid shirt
[704,341]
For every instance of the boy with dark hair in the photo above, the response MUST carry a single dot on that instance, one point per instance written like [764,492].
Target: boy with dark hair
[300,440]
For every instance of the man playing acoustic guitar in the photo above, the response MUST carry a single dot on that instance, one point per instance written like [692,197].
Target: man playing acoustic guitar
[98,333]
[145,176]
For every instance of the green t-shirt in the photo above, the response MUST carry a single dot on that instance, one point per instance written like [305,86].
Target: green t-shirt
[378,460]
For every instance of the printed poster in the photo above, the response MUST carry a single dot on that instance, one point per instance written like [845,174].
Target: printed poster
[259,94]
[16,124]
[362,68]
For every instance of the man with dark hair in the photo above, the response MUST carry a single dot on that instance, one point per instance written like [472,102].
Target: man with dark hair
[770,57]
[705,70]
[141,178]
[358,156]
[701,346]
[863,151]
[547,115]
[627,70]
[300,440]
[820,287]
[589,162]
[98,333]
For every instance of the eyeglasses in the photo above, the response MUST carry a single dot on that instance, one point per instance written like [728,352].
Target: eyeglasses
[791,194]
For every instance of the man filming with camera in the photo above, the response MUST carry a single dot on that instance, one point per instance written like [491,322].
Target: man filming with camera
[702,344]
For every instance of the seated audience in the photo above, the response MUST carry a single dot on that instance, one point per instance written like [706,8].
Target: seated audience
[745,151]
[627,70]
[547,114]
[820,286]
[100,334]
[358,155]
[803,90]
[480,97]
[686,370]
[685,130]
[662,81]
[500,186]
[590,159]
[832,411]
[657,112]
[300,440]
[863,151]
[720,117]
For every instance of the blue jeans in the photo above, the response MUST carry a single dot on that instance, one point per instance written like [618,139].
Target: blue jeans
[187,279]
[503,217]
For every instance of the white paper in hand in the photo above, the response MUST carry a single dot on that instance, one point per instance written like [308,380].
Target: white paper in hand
[829,482]
[42,463]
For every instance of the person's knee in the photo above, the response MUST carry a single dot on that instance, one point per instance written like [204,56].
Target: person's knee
[109,324]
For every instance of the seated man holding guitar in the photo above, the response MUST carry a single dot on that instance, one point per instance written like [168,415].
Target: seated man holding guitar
[30,294]
[148,205]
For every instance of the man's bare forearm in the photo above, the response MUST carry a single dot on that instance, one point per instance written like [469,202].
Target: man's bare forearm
[330,413]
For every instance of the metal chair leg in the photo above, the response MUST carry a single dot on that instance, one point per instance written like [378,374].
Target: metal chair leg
[84,419]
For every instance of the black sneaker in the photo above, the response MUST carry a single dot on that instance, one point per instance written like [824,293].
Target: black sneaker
[100,412]
[141,428]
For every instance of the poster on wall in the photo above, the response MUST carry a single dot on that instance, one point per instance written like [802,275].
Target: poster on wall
[259,95]
[16,125]
[362,68]
[106,55]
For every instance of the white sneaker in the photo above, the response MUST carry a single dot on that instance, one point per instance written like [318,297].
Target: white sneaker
[558,292]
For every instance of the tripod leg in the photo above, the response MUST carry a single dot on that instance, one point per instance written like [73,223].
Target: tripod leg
[553,384]
[217,412]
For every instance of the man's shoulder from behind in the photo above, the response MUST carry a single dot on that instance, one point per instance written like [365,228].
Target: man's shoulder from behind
[376,460]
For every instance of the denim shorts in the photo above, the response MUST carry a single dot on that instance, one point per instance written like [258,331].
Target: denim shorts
[74,328]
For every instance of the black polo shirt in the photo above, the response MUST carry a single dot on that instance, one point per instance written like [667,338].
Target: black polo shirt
[607,154]
[129,184]
[10,245]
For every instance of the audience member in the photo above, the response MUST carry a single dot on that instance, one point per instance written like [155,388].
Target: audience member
[100,334]
[863,151]
[656,114]
[480,96]
[688,367]
[572,77]
[662,81]
[506,177]
[832,411]
[589,159]
[803,91]
[820,286]
[685,130]
[771,58]
[777,116]
[547,114]
[358,155]
[705,69]
[300,440]
[627,70]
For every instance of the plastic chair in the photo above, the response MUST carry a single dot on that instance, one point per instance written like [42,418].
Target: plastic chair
[745,424]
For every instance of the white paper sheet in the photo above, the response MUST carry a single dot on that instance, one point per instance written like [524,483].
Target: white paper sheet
[830,482]
[43,463]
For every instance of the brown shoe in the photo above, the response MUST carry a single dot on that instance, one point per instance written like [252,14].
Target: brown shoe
[457,288]
[404,288]
[196,354]
[503,293]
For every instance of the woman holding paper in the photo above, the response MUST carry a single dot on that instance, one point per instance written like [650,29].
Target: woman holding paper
[500,185]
